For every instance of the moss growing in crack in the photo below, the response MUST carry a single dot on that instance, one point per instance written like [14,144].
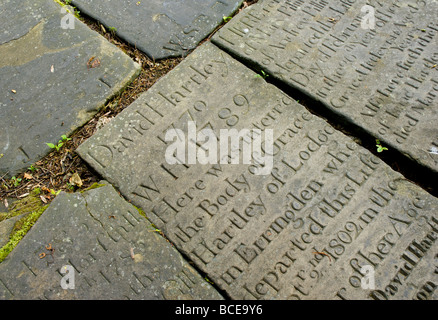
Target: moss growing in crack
[93,186]
[24,206]
[143,214]
[140,211]
[32,208]
[21,227]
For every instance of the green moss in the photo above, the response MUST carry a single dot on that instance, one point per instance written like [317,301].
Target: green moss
[21,227]
[24,206]
[32,208]
[140,211]
[35,192]
[93,186]
[64,3]
[143,214]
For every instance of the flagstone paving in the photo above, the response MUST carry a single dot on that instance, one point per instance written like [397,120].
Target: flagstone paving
[50,83]
[310,214]
[160,28]
[325,205]
[382,79]
[95,245]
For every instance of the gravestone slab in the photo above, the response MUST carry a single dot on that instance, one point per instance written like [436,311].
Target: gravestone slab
[48,87]
[382,79]
[102,246]
[303,229]
[160,28]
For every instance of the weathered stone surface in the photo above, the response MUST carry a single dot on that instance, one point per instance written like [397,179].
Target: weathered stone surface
[160,28]
[47,88]
[304,230]
[112,251]
[383,79]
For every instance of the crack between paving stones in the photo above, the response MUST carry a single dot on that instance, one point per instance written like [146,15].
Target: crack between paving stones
[318,109]
[398,161]
[395,159]
[203,274]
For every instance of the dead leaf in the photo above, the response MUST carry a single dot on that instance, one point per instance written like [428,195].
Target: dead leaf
[6,203]
[76,180]
[93,62]
[27,176]
[43,199]
[45,189]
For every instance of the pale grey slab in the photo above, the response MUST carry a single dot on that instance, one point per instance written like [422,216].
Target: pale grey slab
[382,79]
[327,208]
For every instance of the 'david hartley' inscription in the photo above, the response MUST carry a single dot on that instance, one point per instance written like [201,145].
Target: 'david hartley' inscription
[303,230]
[372,62]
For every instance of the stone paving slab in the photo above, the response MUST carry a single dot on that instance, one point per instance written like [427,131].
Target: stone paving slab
[107,246]
[160,28]
[302,230]
[383,80]
[47,88]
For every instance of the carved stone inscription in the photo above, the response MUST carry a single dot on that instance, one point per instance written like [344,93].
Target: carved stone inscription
[160,28]
[326,209]
[382,76]
[95,245]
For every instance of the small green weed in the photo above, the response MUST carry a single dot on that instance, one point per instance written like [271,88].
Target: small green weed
[263,75]
[226,19]
[16,181]
[380,148]
[60,143]
[112,30]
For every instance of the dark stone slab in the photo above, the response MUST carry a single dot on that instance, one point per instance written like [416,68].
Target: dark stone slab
[112,251]
[302,230]
[47,88]
[383,80]
[160,28]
